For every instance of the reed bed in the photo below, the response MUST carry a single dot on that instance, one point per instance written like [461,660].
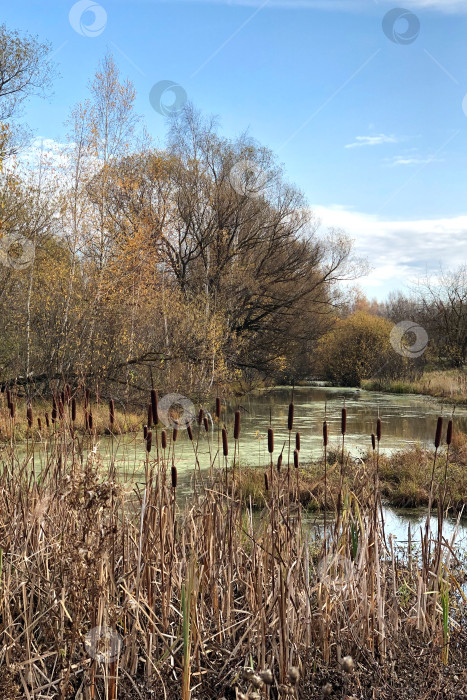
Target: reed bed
[114,590]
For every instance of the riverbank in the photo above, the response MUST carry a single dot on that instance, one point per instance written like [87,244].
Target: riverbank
[404,477]
[448,385]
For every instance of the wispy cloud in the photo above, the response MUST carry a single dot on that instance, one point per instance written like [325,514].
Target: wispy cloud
[372,140]
[411,160]
[399,252]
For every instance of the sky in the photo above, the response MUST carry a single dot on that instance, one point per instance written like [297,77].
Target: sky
[364,102]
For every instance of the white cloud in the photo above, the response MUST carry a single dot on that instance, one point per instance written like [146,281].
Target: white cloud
[399,252]
[411,160]
[371,141]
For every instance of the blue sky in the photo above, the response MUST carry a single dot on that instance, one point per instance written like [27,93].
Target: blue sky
[372,130]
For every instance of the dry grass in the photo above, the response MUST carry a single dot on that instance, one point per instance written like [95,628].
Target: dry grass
[447,384]
[199,592]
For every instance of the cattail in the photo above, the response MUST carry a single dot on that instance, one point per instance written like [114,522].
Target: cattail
[200,417]
[270,441]
[8,398]
[39,424]
[174,477]
[290,416]
[54,409]
[218,407]
[149,416]
[439,428]
[373,441]
[206,424]
[111,412]
[149,441]
[73,409]
[225,444]
[145,431]
[325,433]
[295,459]
[175,432]
[344,421]
[90,420]
[237,425]
[12,410]
[68,392]
[29,415]
[47,422]
[63,397]
[164,439]
[155,406]
[297,441]
[279,462]
[266,481]
[189,431]
[378,429]
[86,419]
[449,433]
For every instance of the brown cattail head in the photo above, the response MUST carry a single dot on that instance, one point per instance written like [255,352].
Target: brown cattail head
[297,441]
[225,444]
[73,409]
[155,406]
[279,462]
[200,417]
[8,398]
[145,431]
[218,407]
[206,424]
[189,431]
[373,441]
[270,441]
[290,416]
[90,421]
[12,409]
[175,432]
[237,425]
[47,422]
[149,416]
[449,433]
[325,433]
[164,439]
[149,441]
[29,415]
[266,481]
[344,421]
[54,409]
[379,426]
[174,477]
[39,424]
[295,459]
[111,412]
[68,392]
[439,429]
[63,397]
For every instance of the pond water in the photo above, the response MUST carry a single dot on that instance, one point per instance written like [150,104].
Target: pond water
[407,419]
